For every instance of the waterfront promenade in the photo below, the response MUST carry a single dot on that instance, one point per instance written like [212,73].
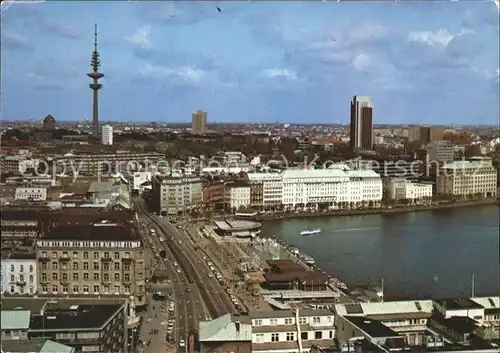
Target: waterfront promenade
[374,211]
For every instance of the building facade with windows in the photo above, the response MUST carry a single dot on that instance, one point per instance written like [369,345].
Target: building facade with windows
[238,195]
[92,260]
[475,177]
[272,188]
[402,189]
[171,195]
[288,331]
[31,193]
[19,274]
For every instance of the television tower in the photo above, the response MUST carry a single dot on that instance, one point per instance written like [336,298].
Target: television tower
[95,85]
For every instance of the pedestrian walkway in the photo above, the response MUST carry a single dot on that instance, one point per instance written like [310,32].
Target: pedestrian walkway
[153,330]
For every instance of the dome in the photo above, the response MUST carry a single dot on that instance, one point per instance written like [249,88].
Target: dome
[49,118]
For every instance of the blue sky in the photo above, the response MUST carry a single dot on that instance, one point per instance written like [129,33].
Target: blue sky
[292,62]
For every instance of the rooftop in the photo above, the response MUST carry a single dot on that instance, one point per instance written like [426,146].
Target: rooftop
[226,328]
[34,345]
[385,308]
[15,319]
[289,313]
[459,304]
[235,225]
[307,276]
[285,265]
[372,328]
[314,173]
[104,232]
[74,317]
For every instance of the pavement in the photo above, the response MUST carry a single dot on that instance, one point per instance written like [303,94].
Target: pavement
[154,318]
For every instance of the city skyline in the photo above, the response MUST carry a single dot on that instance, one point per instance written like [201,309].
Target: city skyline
[258,62]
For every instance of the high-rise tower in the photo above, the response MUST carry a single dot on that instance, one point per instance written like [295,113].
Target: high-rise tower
[361,123]
[95,75]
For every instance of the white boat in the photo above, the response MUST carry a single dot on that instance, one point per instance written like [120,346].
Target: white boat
[308,260]
[310,231]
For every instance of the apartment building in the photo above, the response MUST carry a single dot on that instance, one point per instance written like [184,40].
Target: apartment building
[475,177]
[440,151]
[137,179]
[172,195]
[92,260]
[20,225]
[256,194]
[365,186]
[238,195]
[87,325]
[272,188]
[19,273]
[31,193]
[402,189]
[283,331]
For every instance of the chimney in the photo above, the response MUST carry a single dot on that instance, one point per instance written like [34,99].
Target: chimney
[237,325]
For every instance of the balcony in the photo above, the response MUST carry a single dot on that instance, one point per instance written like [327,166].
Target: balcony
[44,258]
[106,259]
[106,280]
[64,258]
[127,281]
[21,282]
[127,259]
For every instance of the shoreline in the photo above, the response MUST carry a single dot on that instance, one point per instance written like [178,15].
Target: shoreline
[276,217]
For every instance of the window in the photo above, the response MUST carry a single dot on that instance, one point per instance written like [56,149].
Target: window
[44,276]
[106,255]
[55,288]
[75,276]
[259,338]
[31,290]
[117,255]
[85,255]
[54,265]
[21,268]
[126,267]
[54,254]
[117,266]
[117,289]
[75,289]
[316,320]
[75,253]
[85,276]
[65,289]
[127,289]
[31,278]
[106,276]
[86,289]
[302,320]
[273,322]
[54,276]
[12,268]
[96,255]
[304,336]
[288,321]
[117,276]
[75,265]
[96,289]
[31,268]
[275,337]
[65,276]
[65,254]
[12,289]
[85,265]
[96,265]
[126,277]
[318,335]
[106,289]
[44,266]
[96,276]
[290,336]
[12,278]
[105,267]
[330,334]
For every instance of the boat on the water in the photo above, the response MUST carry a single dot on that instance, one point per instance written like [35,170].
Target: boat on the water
[310,231]
[308,260]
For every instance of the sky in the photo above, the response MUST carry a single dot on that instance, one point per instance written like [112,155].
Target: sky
[293,62]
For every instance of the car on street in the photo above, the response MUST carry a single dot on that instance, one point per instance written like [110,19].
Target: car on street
[182,343]
[210,275]
[178,271]
[188,289]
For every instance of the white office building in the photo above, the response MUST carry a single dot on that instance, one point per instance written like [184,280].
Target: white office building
[402,189]
[334,187]
[138,178]
[31,193]
[239,195]
[173,195]
[19,274]
[107,135]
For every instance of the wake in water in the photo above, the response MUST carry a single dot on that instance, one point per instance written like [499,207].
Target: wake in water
[350,230]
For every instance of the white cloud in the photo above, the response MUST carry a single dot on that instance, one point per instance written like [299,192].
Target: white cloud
[15,40]
[141,38]
[439,39]
[186,74]
[279,73]
[363,62]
